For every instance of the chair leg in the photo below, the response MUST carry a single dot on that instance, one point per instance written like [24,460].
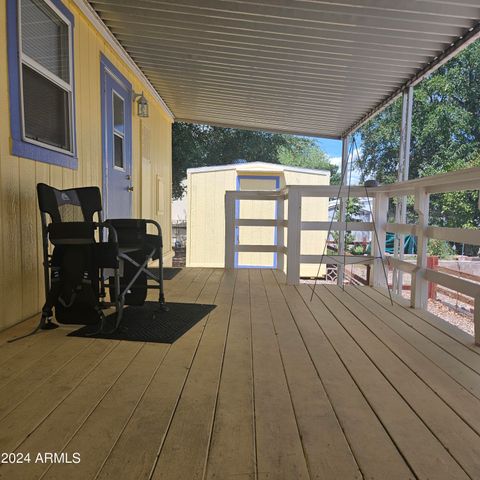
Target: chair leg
[161,296]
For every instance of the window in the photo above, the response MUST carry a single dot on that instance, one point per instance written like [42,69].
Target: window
[41,81]
[118,131]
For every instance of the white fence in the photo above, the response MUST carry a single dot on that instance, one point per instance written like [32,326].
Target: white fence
[290,227]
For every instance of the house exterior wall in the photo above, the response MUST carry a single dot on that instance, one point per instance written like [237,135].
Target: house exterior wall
[206,216]
[21,272]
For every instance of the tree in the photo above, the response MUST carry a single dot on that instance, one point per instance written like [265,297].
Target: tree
[202,145]
[445,136]
[305,153]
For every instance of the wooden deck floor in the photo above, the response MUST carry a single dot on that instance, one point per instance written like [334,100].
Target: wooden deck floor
[270,386]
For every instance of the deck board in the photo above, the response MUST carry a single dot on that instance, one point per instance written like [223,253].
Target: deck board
[270,385]
[232,442]
[458,371]
[326,448]
[135,453]
[457,437]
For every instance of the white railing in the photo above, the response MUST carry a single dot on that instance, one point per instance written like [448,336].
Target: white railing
[292,195]
[421,189]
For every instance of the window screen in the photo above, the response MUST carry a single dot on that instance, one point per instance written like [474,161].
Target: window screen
[46,110]
[46,75]
[45,38]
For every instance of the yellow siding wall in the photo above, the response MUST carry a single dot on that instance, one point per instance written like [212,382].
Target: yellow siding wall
[21,275]
[206,217]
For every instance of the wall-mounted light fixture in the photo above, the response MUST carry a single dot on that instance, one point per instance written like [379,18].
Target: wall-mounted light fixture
[142,104]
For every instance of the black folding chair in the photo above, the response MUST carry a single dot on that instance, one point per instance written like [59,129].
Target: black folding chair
[85,261]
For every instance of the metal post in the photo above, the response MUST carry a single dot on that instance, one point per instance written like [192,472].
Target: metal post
[343,213]
[403,170]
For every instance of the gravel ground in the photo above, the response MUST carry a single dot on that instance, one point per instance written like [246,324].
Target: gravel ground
[458,314]
[464,321]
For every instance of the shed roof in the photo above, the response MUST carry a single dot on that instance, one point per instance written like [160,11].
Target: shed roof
[314,67]
[257,167]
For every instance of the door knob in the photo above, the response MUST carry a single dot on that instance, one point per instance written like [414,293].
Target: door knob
[130,189]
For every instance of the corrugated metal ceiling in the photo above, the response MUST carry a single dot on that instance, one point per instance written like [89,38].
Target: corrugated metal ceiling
[302,66]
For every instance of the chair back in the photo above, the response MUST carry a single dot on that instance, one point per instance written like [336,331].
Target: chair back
[70,205]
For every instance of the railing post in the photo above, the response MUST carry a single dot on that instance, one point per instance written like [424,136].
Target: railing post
[380,216]
[294,232]
[230,230]
[281,233]
[432,263]
[419,294]
[476,320]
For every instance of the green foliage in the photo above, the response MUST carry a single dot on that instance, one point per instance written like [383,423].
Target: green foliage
[358,250]
[351,214]
[305,153]
[445,136]
[202,145]
[439,248]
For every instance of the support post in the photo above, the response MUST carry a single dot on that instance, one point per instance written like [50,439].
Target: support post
[419,294]
[403,170]
[230,229]
[294,233]
[280,233]
[380,214]
[432,264]
[343,212]
[476,320]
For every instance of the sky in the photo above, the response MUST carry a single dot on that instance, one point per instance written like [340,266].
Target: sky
[333,148]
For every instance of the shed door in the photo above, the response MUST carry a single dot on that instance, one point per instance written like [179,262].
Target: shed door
[258,209]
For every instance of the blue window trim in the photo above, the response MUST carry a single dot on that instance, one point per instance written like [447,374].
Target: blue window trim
[20,147]
[107,66]
[237,213]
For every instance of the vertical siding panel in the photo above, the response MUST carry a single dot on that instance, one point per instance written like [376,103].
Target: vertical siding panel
[11,240]
[80,99]
[96,169]
[4,152]
[93,158]
[28,235]
[42,174]
[56,176]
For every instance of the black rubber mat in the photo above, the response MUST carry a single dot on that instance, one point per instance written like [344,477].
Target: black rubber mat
[147,323]
[168,272]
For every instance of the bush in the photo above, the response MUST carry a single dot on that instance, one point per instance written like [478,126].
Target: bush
[439,248]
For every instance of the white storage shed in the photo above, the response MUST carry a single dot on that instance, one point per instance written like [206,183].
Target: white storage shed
[206,189]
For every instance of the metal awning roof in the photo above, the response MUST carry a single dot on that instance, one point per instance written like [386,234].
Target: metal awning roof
[315,67]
